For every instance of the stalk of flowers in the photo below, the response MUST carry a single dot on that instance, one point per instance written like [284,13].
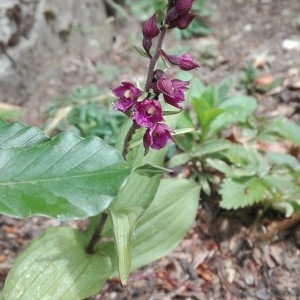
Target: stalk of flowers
[147,111]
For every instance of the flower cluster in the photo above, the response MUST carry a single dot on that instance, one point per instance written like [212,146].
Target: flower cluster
[147,111]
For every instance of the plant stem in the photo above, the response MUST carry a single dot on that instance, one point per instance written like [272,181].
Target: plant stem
[149,79]
[97,234]
[154,59]
[128,138]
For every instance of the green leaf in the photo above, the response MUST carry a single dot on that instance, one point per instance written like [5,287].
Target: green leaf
[163,225]
[179,159]
[295,205]
[205,186]
[286,129]
[212,146]
[224,88]
[183,131]
[151,170]
[171,112]
[123,226]
[140,51]
[204,107]
[166,221]
[219,165]
[241,192]
[247,159]
[20,135]
[55,266]
[67,178]
[284,159]
[234,110]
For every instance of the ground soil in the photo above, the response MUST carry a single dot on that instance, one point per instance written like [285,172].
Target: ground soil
[244,254]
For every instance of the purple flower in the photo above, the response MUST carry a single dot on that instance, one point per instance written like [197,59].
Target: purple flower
[182,22]
[173,90]
[147,113]
[182,7]
[127,94]
[150,31]
[157,137]
[185,61]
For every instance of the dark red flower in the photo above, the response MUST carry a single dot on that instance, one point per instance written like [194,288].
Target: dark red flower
[182,7]
[184,62]
[157,137]
[173,90]
[150,29]
[182,22]
[147,113]
[127,94]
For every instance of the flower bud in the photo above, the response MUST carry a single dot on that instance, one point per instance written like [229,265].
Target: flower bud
[172,14]
[150,29]
[182,7]
[185,62]
[147,44]
[182,22]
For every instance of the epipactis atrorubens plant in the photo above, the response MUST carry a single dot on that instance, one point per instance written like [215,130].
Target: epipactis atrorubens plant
[144,107]
[135,216]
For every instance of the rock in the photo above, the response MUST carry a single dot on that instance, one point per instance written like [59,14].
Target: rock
[38,37]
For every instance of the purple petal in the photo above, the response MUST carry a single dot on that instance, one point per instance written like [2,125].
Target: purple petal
[147,113]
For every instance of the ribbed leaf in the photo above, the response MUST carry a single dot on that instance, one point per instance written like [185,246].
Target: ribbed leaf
[123,224]
[67,177]
[55,266]
[20,135]
[237,193]
[163,225]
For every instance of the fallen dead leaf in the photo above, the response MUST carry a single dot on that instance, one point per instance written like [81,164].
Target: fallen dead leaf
[205,273]
[264,79]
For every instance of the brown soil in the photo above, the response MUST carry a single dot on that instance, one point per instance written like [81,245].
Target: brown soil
[227,254]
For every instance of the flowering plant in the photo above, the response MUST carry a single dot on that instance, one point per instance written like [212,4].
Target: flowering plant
[135,217]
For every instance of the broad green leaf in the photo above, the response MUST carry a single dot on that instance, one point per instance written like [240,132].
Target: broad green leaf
[196,86]
[219,165]
[286,129]
[224,88]
[205,186]
[179,159]
[237,193]
[55,266]
[283,159]
[234,110]
[211,146]
[163,225]
[67,178]
[151,170]
[205,112]
[166,221]
[242,172]
[247,158]
[123,226]
[20,135]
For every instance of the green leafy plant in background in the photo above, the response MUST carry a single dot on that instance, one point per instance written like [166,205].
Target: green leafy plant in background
[134,216]
[247,153]
[253,82]
[87,112]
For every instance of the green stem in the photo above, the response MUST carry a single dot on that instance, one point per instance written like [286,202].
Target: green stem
[96,235]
